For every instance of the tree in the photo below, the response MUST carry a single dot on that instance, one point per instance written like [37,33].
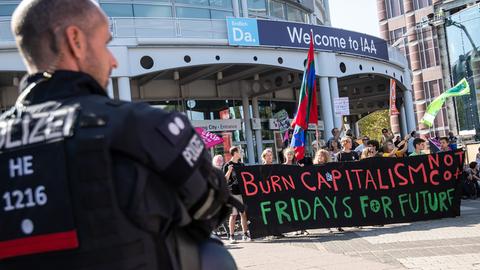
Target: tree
[372,124]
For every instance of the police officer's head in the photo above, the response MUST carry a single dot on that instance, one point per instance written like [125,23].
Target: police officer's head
[64,35]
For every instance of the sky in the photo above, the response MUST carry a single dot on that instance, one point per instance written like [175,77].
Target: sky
[355,15]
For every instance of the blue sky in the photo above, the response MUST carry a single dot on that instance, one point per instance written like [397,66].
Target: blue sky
[355,15]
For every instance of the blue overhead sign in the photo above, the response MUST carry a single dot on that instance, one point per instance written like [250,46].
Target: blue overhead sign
[242,32]
[253,32]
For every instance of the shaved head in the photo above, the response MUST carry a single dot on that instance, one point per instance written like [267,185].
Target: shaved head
[39,28]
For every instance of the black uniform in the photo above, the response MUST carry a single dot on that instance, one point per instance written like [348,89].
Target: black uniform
[116,185]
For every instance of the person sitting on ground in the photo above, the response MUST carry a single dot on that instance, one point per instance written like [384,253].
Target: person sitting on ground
[346,154]
[472,182]
[444,144]
[419,145]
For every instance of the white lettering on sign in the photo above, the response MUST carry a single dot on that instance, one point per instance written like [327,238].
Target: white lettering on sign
[193,150]
[20,166]
[18,199]
[37,127]
[297,35]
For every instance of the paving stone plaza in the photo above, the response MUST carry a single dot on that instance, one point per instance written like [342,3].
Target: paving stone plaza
[451,243]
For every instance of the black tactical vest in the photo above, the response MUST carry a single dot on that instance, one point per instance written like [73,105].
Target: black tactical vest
[59,208]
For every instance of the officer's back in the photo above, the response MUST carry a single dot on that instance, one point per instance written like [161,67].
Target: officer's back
[106,184]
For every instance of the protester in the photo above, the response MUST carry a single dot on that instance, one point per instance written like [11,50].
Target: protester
[349,134]
[346,154]
[321,157]
[390,150]
[419,145]
[387,135]
[289,156]
[444,144]
[334,149]
[477,157]
[217,162]
[267,156]
[411,148]
[237,154]
[471,185]
[374,148]
[359,149]
[452,141]
[335,138]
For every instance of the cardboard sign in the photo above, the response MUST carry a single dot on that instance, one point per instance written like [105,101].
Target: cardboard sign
[341,106]
[282,120]
[373,191]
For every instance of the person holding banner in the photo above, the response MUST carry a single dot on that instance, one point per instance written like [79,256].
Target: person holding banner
[232,180]
[419,145]
[444,144]
[346,154]
[289,156]
[321,157]
[267,156]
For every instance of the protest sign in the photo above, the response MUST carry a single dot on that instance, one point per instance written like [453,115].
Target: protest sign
[282,119]
[208,138]
[282,198]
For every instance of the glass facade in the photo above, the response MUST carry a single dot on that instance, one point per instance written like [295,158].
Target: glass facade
[394,8]
[205,9]
[418,4]
[428,47]
[7,9]
[463,34]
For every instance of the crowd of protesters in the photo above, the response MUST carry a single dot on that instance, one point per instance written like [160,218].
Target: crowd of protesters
[344,148]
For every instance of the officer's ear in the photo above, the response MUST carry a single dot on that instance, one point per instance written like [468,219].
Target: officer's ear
[76,41]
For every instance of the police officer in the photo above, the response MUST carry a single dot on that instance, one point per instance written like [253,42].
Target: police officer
[95,183]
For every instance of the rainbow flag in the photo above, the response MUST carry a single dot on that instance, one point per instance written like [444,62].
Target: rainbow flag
[307,111]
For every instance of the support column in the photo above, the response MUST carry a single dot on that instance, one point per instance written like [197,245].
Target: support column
[248,130]
[258,133]
[244,8]
[236,9]
[124,92]
[110,88]
[409,113]
[333,83]
[327,111]
[403,122]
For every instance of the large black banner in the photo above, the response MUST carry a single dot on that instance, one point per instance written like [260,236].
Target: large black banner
[282,198]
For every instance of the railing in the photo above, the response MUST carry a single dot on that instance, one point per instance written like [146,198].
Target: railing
[5,32]
[168,28]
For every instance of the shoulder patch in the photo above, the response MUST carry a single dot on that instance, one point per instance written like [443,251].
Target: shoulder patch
[174,128]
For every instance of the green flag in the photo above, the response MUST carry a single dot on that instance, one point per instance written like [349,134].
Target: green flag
[460,89]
